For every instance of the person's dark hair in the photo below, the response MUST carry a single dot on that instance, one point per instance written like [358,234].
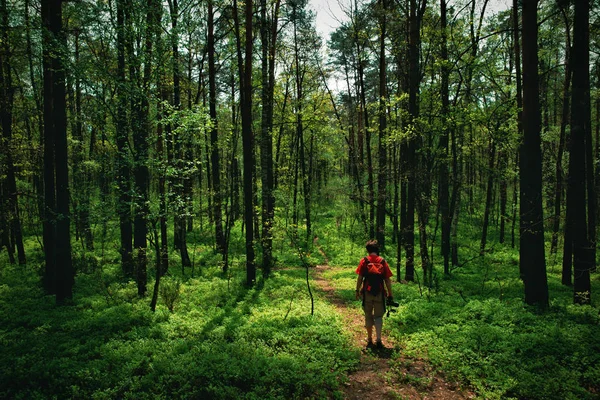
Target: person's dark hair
[373,246]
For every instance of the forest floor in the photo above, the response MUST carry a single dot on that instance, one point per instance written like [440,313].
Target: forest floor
[384,373]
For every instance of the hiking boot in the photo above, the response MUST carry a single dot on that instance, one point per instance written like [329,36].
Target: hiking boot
[370,344]
[379,345]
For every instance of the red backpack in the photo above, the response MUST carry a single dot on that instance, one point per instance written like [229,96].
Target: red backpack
[373,280]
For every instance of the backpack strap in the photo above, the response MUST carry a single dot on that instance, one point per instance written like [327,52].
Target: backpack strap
[383,293]
[365,272]
[366,261]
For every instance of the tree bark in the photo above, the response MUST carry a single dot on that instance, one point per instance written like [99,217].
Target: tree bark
[580,126]
[59,278]
[382,178]
[245,74]
[413,145]
[489,195]
[182,198]
[444,175]
[559,174]
[214,139]
[532,258]
[122,135]
[364,134]
[81,179]
[13,220]
[161,138]
[268,40]
[519,96]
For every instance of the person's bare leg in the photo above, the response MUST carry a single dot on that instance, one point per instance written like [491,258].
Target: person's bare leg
[378,326]
[370,333]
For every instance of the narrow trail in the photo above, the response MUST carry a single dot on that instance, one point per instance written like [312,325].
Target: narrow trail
[374,377]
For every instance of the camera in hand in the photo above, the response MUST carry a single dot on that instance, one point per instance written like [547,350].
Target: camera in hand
[390,302]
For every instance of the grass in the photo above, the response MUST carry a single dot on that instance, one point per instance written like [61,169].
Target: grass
[475,329]
[226,341]
[222,341]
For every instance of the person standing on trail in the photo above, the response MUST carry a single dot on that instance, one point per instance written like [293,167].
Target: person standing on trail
[373,272]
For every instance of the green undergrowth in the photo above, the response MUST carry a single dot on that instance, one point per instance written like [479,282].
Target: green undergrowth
[222,341]
[475,329]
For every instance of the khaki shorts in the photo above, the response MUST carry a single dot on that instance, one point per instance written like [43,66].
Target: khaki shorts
[373,308]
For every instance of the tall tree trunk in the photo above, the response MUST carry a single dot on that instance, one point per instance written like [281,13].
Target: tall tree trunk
[444,175]
[6,117]
[301,159]
[413,111]
[81,179]
[122,135]
[364,134]
[489,195]
[597,155]
[162,192]
[503,166]
[382,178]
[161,137]
[353,156]
[182,198]
[559,175]
[532,258]
[268,40]
[580,127]
[141,127]
[57,238]
[245,74]
[38,176]
[49,228]
[214,139]
[519,96]
[590,161]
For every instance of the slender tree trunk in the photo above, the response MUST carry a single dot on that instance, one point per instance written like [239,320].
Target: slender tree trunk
[161,137]
[182,201]
[38,177]
[64,267]
[354,159]
[489,195]
[583,260]
[444,175]
[413,111]
[59,278]
[532,258]
[80,176]
[382,178]
[301,159]
[162,194]
[365,135]
[268,41]
[245,74]
[122,134]
[597,155]
[159,274]
[502,166]
[519,95]
[49,235]
[6,117]
[214,140]
[141,127]
[590,161]
[559,175]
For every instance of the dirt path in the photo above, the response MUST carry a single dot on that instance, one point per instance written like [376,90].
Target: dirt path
[374,378]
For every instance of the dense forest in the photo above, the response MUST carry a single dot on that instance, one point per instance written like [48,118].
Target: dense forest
[173,172]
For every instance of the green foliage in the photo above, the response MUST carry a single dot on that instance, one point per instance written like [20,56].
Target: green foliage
[502,349]
[222,341]
[476,329]
[170,289]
